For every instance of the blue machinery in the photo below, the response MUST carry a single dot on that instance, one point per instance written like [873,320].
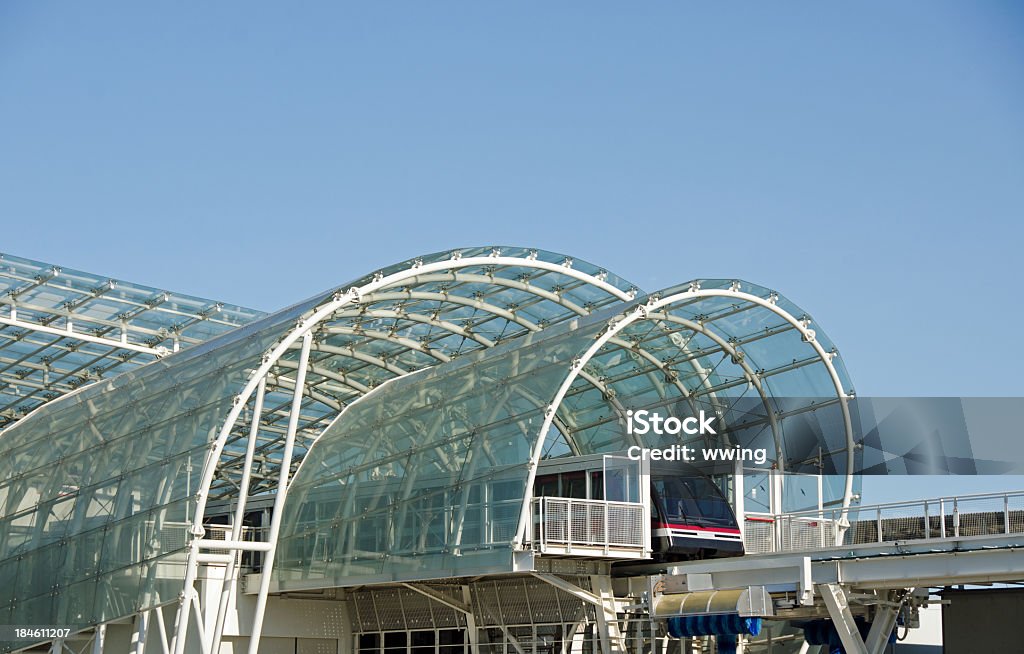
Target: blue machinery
[726,626]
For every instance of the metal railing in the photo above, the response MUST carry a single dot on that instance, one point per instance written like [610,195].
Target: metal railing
[921,520]
[561,523]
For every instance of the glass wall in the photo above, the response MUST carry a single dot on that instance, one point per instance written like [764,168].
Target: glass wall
[426,477]
[98,488]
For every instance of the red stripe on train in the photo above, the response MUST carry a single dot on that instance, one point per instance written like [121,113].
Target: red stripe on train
[673,525]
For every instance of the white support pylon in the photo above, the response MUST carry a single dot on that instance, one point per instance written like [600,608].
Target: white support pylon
[231,574]
[839,610]
[612,640]
[140,632]
[882,626]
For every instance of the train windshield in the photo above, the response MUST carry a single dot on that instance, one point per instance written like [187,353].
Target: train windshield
[692,501]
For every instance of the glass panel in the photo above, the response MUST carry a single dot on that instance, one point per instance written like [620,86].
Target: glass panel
[621,479]
[425,476]
[103,480]
[800,492]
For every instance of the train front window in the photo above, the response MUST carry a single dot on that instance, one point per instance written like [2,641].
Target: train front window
[712,506]
[676,502]
[694,501]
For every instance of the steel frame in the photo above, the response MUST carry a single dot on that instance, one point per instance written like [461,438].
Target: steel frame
[647,312]
[61,313]
[309,330]
[320,319]
[304,330]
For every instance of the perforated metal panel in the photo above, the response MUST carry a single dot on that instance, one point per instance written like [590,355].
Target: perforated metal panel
[529,607]
[566,521]
[387,609]
[526,601]
[981,516]
[626,525]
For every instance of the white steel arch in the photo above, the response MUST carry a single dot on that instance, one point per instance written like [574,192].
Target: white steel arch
[280,373]
[646,312]
[303,330]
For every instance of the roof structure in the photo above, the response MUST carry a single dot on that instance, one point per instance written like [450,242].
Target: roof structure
[105,490]
[431,476]
[61,329]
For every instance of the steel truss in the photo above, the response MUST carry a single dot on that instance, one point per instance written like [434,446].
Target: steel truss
[62,329]
[320,323]
[361,301]
[306,380]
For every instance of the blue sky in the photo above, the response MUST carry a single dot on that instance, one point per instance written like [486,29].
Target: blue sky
[865,161]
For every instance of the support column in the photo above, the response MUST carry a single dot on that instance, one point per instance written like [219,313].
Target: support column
[882,625]
[281,496]
[471,629]
[839,610]
[775,486]
[230,576]
[161,627]
[138,645]
[738,492]
[99,638]
[612,640]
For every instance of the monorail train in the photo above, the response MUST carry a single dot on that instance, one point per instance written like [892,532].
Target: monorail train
[694,518]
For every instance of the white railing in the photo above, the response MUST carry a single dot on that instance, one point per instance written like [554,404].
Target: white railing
[921,520]
[561,524]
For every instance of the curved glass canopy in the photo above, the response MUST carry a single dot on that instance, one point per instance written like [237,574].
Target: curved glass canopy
[452,373]
[429,476]
[425,476]
[100,488]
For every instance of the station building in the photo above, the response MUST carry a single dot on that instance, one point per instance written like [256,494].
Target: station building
[429,459]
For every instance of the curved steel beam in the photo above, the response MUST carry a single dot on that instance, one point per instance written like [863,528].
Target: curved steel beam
[643,312]
[304,325]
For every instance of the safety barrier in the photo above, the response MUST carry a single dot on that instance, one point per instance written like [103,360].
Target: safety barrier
[566,525]
[945,517]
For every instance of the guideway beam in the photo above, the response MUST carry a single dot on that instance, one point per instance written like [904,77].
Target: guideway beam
[997,559]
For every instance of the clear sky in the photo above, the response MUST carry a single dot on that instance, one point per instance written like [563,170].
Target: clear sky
[867,161]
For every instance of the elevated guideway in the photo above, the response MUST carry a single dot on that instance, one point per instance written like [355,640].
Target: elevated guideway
[862,566]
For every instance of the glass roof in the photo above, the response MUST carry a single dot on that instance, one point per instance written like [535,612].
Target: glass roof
[426,477]
[61,329]
[98,489]
[727,356]
[86,479]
